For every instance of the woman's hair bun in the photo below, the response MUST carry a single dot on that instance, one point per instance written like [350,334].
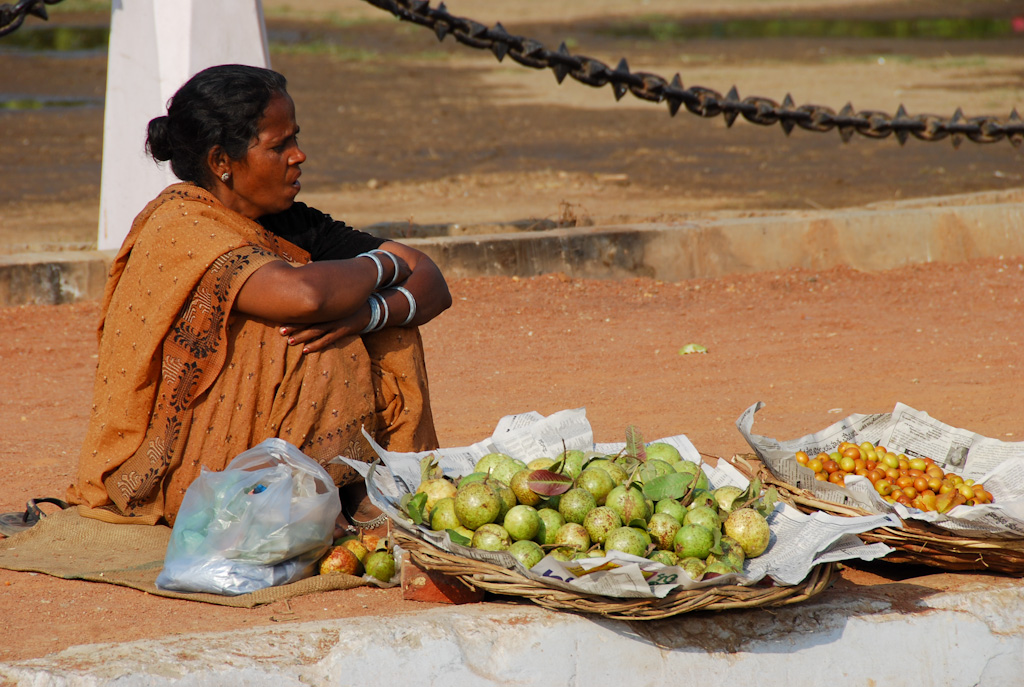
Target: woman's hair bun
[158,139]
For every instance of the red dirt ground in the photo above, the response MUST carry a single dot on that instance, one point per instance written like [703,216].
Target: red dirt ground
[814,346]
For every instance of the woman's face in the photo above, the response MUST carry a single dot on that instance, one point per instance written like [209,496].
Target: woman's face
[266,180]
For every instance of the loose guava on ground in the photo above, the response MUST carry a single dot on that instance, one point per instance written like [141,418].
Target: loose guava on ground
[381,565]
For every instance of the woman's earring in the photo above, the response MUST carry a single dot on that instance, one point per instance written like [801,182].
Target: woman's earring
[225,176]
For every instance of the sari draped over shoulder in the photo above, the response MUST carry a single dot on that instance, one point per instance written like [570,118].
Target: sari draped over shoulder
[183,383]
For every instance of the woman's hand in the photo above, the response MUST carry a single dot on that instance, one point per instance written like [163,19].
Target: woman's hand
[318,336]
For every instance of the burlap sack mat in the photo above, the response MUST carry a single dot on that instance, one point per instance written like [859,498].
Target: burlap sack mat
[69,546]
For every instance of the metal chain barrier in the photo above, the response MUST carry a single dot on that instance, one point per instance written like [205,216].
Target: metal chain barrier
[698,100]
[12,16]
[704,101]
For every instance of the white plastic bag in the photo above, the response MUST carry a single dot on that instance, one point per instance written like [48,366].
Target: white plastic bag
[265,520]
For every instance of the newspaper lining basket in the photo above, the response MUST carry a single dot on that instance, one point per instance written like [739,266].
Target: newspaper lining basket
[499,580]
[914,543]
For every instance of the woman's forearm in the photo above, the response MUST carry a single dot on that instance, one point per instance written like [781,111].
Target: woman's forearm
[314,292]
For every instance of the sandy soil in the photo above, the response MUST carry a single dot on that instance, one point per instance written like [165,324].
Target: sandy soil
[453,137]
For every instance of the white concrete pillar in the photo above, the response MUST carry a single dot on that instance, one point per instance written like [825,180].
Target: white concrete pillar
[155,46]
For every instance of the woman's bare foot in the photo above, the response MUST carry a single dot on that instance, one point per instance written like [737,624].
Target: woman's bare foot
[358,511]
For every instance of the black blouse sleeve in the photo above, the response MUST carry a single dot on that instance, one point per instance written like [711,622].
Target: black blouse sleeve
[319,234]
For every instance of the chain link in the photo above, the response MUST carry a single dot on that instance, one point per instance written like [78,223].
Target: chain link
[706,102]
[12,16]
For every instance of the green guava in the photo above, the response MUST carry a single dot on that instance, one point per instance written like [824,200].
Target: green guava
[522,522]
[476,504]
[599,522]
[575,504]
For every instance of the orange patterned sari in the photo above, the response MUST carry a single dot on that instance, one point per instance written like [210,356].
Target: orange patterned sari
[184,383]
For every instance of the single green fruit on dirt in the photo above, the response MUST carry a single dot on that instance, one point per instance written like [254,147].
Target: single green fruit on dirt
[380,564]
[598,482]
[693,540]
[627,540]
[750,529]
[659,450]
[476,504]
[519,484]
[489,462]
[599,522]
[572,535]
[491,537]
[575,504]
[522,522]
[442,515]
[504,471]
[526,552]
[550,521]
[663,527]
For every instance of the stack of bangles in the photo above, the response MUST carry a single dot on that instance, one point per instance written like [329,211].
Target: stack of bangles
[379,312]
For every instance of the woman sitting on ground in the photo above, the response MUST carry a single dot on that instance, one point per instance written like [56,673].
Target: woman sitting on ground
[233,314]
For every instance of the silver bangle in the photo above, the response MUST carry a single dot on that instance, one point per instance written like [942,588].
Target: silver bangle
[374,315]
[385,312]
[394,261]
[380,267]
[412,304]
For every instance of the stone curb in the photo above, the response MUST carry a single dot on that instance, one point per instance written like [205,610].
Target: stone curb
[950,229]
[943,639]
